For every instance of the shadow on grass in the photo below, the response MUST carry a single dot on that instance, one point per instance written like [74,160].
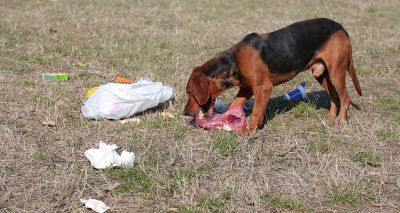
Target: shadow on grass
[279,105]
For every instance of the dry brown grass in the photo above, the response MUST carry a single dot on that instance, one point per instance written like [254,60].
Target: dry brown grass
[296,163]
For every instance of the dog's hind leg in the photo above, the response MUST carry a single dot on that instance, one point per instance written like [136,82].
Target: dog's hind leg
[335,55]
[338,78]
[321,75]
[336,83]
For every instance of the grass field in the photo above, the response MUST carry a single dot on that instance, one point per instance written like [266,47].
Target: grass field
[297,162]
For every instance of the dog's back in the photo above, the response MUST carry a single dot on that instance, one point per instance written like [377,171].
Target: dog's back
[291,48]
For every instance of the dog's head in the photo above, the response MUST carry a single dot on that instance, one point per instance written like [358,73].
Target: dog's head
[207,82]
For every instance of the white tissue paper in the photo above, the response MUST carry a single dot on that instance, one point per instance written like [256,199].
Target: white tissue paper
[95,205]
[106,156]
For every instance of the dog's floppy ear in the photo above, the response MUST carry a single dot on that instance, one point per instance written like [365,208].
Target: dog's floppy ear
[200,88]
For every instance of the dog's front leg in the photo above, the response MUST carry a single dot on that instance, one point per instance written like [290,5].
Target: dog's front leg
[242,97]
[261,99]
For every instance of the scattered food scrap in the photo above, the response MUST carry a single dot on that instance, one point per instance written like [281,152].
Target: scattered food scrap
[130,120]
[167,115]
[48,123]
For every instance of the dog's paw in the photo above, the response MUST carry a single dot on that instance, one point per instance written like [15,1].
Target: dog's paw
[339,123]
[329,116]
[247,132]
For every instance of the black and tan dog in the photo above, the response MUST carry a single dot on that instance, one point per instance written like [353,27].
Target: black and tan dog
[261,61]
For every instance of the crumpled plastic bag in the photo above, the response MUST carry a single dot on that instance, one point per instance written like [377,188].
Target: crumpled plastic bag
[95,205]
[233,119]
[106,156]
[116,101]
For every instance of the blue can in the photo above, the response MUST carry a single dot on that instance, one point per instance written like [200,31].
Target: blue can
[297,94]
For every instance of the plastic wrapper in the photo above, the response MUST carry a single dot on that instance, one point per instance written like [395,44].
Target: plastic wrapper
[116,101]
[233,119]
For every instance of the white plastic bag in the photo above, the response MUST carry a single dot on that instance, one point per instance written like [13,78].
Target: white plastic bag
[116,101]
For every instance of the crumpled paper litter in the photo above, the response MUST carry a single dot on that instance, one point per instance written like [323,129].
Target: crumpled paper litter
[95,205]
[106,156]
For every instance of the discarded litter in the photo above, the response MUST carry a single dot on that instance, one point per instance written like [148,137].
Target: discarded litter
[106,156]
[123,80]
[220,106]
[248,106]
[167,115]
[371,51]
[95,205]
[55,76]
[116,101]
[233,119]
[297,94]
[130,120]
[48,123]
[89,93]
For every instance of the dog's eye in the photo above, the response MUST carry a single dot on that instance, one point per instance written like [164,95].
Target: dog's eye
[226,84]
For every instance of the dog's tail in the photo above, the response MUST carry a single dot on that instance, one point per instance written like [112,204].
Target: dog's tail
[353,75]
